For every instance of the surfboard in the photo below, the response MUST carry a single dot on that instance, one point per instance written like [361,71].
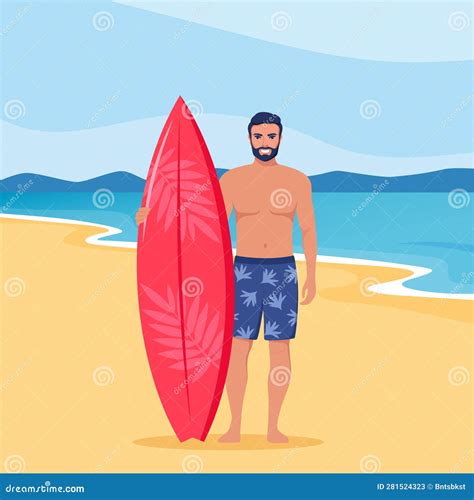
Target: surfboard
[185,277]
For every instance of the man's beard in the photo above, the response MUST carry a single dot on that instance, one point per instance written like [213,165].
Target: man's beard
[267,157]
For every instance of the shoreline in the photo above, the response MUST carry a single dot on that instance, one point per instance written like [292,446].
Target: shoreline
[392,288]
[76,374]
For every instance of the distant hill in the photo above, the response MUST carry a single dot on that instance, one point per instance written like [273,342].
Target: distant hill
[115,181]
[337,181]
[430,182]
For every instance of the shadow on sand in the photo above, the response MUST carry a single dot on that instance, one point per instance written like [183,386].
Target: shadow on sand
[247,442]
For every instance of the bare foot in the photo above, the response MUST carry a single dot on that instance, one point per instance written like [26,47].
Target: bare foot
[231,436]
[275,436]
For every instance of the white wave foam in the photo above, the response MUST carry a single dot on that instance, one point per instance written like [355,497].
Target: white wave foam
[395,287]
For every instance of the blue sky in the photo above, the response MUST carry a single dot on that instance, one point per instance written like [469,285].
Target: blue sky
[91,66]
[419,31]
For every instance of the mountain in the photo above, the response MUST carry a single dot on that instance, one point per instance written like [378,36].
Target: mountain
[440,181]
[115,181]
[337,181]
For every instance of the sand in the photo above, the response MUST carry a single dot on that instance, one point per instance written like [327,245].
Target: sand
[380,383]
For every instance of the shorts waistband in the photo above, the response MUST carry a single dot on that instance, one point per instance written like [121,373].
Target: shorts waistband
[264,261]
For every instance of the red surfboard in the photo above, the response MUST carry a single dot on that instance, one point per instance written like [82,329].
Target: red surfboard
[185,277]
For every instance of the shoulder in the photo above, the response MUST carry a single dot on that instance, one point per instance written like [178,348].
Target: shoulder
[234,173]
[237,170]
[230,180]
[296,176]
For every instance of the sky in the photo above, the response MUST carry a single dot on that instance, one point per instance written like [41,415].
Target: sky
[405,31]
[381,88]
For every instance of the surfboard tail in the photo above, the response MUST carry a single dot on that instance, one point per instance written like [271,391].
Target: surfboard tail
[190,433]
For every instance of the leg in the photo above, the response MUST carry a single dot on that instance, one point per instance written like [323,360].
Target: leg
[235,385]
[281,311]
[278,381]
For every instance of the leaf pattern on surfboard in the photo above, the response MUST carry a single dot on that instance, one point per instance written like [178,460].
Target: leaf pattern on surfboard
[203,343]
[194,208]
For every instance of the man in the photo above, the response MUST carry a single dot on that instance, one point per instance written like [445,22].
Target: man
[265,197]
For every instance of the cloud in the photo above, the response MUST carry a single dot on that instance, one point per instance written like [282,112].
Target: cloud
[71,66]
[383,31]
[129,146]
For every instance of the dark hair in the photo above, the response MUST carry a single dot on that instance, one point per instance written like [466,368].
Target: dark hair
[264,117]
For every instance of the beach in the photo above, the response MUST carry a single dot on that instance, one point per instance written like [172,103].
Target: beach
[379,382]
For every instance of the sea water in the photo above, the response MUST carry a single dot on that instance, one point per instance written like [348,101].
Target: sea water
[425,229]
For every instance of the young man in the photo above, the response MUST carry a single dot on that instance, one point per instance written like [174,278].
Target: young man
[265,197]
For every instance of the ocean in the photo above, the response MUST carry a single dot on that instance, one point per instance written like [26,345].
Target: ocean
[432,230]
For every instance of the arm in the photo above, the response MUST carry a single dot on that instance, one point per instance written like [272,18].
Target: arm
[306,220]
[225,183]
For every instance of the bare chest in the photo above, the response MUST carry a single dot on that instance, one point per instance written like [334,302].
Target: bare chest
[277,196]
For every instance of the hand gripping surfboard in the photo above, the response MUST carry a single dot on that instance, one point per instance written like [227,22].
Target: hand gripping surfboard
[185,277]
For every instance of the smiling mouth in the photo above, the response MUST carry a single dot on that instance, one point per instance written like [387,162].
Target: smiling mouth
[265,151]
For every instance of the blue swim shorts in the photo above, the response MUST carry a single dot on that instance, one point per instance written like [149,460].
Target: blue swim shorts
[268,287]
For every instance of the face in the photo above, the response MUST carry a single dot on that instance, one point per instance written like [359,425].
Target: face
[265,140]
